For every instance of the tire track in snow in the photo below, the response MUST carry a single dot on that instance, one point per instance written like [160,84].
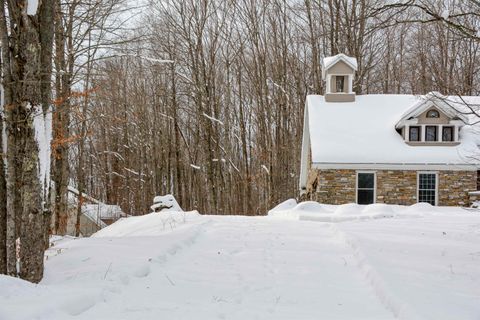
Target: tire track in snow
[399,309]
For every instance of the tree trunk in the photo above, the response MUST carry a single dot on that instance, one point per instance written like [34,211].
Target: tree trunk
[3,210]
[32,243]
[26,67]
[61,122]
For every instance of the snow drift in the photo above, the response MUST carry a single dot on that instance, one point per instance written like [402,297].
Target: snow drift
[314,211]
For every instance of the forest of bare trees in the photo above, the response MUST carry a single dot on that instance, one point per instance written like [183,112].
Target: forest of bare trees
[209,105]
[202,99]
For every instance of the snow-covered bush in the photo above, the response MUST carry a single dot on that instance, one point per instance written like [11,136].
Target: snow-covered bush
[165,203]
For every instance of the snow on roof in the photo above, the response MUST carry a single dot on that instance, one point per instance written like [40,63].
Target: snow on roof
[330,61]
[363,132]
[92,213]
[97,212]
[450,106]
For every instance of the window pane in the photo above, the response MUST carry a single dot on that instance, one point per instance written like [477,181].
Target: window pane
[366,180]
[447,134]
[427,196]
[340,82]
[433,114]
[427,181]
[426,188]
[430,133]
[365,196]
[414,134]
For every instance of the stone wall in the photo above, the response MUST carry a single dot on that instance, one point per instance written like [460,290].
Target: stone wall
[393,186]
[453,187]
[397,187]
[332,186]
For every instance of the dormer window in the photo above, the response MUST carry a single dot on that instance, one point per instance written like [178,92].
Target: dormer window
[414,134]
[447,134]
[433,114]
[430,133]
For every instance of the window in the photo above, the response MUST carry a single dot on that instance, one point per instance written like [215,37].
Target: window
[340,83]
[431,133]
[427,188]
[365,187]
[414,134]
[447,134]
[433,114]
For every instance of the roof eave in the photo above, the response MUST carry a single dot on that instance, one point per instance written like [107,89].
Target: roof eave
[396,166]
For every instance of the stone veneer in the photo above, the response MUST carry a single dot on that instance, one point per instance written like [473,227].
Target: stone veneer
[393,186]
[453,187]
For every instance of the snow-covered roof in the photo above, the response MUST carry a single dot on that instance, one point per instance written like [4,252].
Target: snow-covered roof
[362,134]
[97,212]
[330,61]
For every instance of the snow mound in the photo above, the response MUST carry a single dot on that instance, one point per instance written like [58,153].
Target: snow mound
[312,206]
[165,203]
[14,286]
[290,209]
[285,205]
[314,211]
[151,224]
[285,210]
[348,209]
[422,207]
[378,208]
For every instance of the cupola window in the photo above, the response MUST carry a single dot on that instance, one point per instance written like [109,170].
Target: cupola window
[340,83]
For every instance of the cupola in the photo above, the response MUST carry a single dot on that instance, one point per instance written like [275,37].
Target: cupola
[338,72]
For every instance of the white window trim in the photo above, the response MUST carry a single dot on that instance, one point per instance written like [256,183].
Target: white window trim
[436,184]
[374,185]
[456,130]
[423,131]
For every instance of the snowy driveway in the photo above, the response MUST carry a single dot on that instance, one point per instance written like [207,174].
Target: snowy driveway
[214,267]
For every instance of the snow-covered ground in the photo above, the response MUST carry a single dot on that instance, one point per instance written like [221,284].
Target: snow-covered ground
[345,262]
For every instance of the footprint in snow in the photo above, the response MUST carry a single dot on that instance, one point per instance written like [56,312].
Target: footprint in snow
[142,271]
[160,259]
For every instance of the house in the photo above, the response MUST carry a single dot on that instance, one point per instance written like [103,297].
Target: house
[396,149]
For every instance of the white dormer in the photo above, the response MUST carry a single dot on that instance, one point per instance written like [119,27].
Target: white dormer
[431,121]
[338,72]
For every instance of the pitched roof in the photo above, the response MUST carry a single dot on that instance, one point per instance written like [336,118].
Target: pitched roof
[450,106]
[330,61]
[362,134]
